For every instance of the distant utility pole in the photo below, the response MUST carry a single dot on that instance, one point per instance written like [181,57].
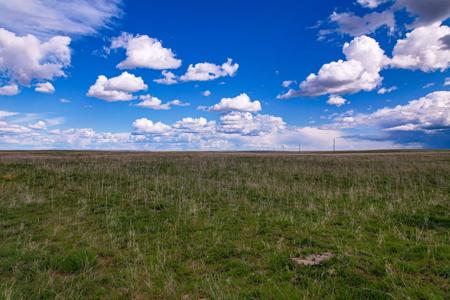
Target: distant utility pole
[299,147]
[334,144]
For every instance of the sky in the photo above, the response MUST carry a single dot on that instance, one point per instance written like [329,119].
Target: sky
[224,75]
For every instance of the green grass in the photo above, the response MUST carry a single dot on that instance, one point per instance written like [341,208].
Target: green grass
[77,225]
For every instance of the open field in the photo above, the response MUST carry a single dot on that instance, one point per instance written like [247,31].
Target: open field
[112,225]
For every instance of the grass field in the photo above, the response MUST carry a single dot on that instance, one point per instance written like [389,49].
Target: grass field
[110,225]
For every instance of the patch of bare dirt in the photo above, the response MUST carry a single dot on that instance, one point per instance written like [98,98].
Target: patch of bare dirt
[313,259]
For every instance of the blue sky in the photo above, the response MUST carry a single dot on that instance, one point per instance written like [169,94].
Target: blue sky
[224,75]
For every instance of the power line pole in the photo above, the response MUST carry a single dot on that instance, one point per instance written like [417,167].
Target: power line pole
[334,144]
[299,147]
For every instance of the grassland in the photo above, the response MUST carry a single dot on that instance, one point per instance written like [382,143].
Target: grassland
[77,225]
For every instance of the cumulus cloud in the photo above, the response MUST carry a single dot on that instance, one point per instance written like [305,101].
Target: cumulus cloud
[149,101]
[371,3]
[336,100]
[169,78]
[246,123]
[200,72]
[287,83]
[143,51]
[177,102]
[46,18]
[208,71]
[231,124]
[243,130]
[25,131]
[195,126]
[39,125]
[13,123]
[206,93]
[118,88]
[233,131]
[145,125]
[232,127]
[360,71]
[45,87]
[423,49]
[25,58]
[12,129]
[155,103]
[429,113]
[384,90]
[9,90]
[291,93]
[241,103]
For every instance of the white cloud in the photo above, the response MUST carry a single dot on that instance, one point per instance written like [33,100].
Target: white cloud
[9,90]
[241,103]
[5,114]
[371,3]
[422,49]
[46,17]
[360,71]
[155,103]
[195,125]
[54,121]
[168,78]
[151,102]
[353,25]
[235,130]
[85,138]
[208,71]
[25,58]
[177,102]
[336,100]
[200,72]
[45,87]
[429,113]
[287,83]
[246,123]
[232,125]
[64,100]
[38,125]
[126,82]
[291,93]
[145,52]
[447,81]
[207,93]
[145,125]
[14,129]
[19,133]
[384,90]
[118,88]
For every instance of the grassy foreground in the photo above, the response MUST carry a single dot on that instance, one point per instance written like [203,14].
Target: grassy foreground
[77,225]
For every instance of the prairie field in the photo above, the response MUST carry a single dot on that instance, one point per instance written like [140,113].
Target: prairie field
[188,225]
